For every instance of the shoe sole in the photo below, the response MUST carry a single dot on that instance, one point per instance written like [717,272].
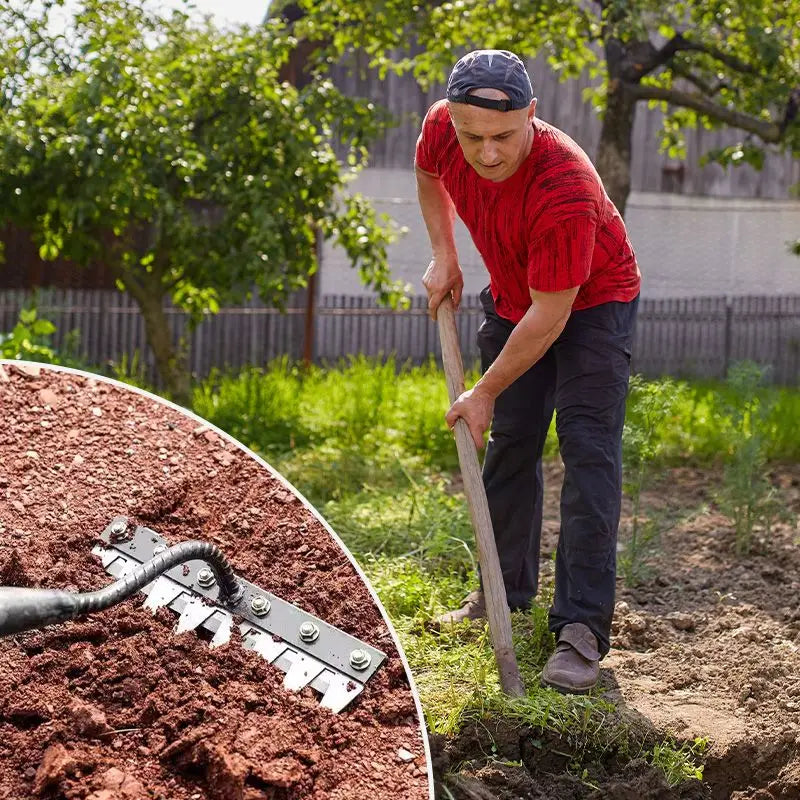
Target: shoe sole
[567,689]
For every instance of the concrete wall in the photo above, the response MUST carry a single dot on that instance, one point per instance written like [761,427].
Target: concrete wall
[687,246]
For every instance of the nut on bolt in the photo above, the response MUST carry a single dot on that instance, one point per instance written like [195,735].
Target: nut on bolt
[119,528]
[259,605]
[205,577]
[360,659]
[309,631]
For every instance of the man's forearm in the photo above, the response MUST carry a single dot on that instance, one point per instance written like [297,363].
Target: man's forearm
[528,342]
[438,212]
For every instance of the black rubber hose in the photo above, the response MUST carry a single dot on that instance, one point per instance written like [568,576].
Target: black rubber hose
[25,609]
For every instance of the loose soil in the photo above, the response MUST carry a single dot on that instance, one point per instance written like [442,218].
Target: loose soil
[116,706]
[707,646]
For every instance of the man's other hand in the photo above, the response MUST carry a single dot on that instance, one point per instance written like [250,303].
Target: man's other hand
[442,277]
[475,408]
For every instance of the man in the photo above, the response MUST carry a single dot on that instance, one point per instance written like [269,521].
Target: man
[559,318]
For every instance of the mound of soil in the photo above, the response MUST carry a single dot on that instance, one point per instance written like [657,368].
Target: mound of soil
[708,646]
[116,706]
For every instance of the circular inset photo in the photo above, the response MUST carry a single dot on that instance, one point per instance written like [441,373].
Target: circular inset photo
[176,622]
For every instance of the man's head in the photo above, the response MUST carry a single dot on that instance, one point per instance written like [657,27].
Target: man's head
[491,103]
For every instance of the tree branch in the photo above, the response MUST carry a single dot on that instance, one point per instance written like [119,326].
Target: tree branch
[679,43]
[730,61]
[703,86]
[766,131]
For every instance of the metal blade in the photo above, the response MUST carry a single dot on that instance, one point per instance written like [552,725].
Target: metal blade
[341,690]
[261,643]
[195,613]
[163,591]
[223,634]
[302,672]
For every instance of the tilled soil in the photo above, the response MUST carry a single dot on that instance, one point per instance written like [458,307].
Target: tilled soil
[707,646]
[115,705]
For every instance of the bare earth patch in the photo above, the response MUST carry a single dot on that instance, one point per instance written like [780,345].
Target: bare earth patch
[708,645]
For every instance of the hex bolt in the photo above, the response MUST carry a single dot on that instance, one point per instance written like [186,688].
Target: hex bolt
[118,528]
[309,631]
[205,577]
[360,659]
[260,606]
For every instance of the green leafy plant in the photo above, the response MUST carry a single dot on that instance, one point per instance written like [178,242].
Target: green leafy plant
[30,338]
[747,495]
[650,402]
[682,763]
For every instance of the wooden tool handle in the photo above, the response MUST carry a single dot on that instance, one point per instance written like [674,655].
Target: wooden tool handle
[491,575]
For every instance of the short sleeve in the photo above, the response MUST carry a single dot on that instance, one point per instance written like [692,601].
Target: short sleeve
[431,139]
[561,258]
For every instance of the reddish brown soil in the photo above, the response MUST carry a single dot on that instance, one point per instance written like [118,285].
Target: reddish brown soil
[708,645]
[116,706]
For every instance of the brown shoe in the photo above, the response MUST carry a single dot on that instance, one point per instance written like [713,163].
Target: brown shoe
[474,607]
[575,665]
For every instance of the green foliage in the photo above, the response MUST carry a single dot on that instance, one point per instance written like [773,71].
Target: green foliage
[176,155]
[733,64]
[649,404]
[29,339]
[679,764]
[747,495]
[182,142]
[366,410]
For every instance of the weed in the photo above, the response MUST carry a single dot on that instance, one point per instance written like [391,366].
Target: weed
[649,404]
[679,764]
[747,495]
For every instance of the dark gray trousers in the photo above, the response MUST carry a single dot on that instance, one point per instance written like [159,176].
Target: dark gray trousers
[584,378]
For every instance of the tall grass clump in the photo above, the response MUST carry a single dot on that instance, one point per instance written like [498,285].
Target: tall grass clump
[258,407]
[747,495]
[649,405]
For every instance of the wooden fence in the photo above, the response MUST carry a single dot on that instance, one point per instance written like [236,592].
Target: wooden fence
[683,337]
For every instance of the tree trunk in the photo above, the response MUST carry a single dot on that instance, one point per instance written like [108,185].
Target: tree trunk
[170,363]
[614,150]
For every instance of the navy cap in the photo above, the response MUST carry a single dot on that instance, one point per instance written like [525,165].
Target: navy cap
[490,69]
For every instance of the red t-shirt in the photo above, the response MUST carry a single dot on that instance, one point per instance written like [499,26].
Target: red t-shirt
[548,227]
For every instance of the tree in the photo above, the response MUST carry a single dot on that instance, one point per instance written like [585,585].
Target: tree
[173,153]
[734,63]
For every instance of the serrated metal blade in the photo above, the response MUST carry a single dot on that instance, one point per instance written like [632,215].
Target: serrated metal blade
[303,670]
[195,613]
[341,690]
[223,633]
[261,643]
[163,591]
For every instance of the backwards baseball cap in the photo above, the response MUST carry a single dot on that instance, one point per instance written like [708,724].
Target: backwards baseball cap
[490,69]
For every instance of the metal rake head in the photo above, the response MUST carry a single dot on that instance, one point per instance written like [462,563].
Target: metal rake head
[309,650]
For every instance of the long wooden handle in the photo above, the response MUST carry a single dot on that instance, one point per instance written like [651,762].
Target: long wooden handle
[493,588]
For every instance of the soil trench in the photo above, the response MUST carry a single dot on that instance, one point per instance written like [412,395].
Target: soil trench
[708,645]
[115,705]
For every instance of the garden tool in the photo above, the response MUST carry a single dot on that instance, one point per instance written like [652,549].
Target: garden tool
[491,576]
[195,580]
